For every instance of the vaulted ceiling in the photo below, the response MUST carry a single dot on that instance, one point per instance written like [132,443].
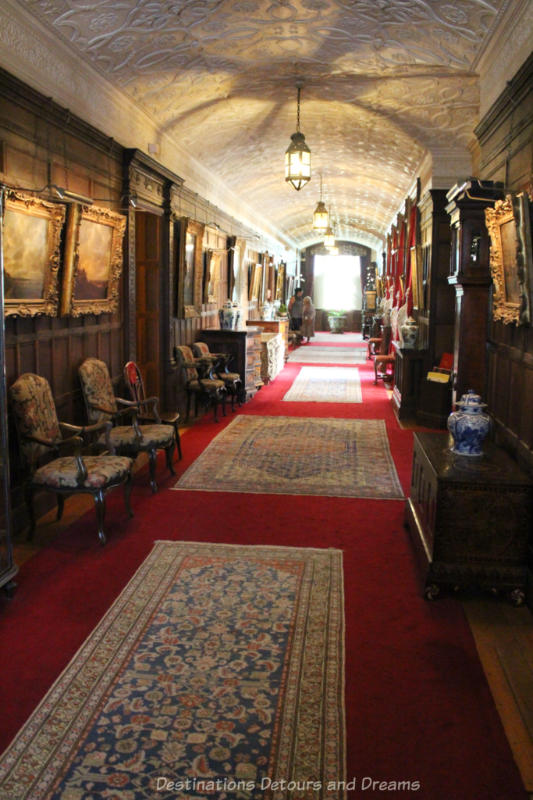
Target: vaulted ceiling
[384,83]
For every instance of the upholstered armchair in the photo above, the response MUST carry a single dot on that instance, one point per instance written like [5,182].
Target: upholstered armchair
[41,437]
[220,361]
[132,438]
[148,407]
[199,381]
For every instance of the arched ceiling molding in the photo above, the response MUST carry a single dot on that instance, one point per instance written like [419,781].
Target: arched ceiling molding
[385,82]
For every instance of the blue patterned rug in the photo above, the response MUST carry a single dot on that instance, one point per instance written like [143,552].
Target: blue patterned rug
[218,672]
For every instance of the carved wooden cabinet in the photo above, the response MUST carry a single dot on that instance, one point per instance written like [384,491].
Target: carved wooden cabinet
[245,348]
[408,372]
[469,517]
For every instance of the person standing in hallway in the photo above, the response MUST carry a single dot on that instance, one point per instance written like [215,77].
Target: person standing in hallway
[296,309]
[308,318]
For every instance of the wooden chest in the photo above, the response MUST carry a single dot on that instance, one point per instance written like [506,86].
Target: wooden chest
[469,517]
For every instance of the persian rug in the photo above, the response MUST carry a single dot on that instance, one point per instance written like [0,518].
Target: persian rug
[218,672]
[326,385]
[311,354]
[297,455]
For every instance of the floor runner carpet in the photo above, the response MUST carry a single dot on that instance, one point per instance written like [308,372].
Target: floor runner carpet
[219,670]
[298,455]
[326,385]
[327,355]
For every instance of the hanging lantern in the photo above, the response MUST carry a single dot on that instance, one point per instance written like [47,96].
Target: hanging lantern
[298,156]
[329,238]
[320,216]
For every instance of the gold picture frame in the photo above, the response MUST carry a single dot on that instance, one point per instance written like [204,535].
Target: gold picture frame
[93,261]
[510,299]
[190,268]
[258,282]
[212,277]
[280,282]
[32,255]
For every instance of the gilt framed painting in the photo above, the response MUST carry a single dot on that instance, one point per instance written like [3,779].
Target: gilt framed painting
[32,255]
[93,260]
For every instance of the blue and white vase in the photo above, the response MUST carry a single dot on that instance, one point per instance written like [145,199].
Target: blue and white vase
[469,425]
[229,315]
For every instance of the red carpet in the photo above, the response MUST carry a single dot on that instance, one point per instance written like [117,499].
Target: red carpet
[418,705]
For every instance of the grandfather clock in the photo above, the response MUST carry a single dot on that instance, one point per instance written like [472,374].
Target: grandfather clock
[470,276]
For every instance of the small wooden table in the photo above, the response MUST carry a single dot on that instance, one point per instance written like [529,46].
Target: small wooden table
[469,517]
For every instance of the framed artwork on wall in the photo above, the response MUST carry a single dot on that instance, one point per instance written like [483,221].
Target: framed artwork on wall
[280,281]
[93,260]
[511,299]
[190,268]
[257,285]
[32,239]
[211,276]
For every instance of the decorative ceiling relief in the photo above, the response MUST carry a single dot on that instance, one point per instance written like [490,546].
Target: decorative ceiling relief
[384,82]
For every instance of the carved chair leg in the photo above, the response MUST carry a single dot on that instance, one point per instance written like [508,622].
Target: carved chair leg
[152,460]
[28,496]
[99,502]
[178,440]
[60,505]
[188,404]
[169,452]
[127,494]
[224,394]
[214,400]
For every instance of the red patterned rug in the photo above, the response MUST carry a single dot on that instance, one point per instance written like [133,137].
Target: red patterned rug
[297,455]
[218,671]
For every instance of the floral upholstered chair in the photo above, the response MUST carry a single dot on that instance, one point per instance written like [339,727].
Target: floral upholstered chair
[41,435]
[129,439]
[148,407]
[220,361]
[199,381]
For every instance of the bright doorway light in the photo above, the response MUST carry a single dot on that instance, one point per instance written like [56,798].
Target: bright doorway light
[337,283]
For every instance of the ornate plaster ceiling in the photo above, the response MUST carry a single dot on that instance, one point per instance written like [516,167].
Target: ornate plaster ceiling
[384,83]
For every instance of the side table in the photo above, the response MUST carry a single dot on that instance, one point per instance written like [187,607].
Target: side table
[469,517]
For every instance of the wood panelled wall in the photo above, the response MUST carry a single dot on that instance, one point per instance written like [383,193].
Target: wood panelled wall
[506,154]
[41,144]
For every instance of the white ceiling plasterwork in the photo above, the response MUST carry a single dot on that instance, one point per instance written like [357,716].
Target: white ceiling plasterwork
[385,82]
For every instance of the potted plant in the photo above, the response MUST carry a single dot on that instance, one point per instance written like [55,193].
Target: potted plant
[337,321]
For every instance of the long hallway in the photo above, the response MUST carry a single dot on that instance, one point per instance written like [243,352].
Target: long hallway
[418,706]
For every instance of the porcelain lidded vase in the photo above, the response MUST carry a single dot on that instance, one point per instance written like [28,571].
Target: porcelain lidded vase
[469,425]
[409,332]
[229,315]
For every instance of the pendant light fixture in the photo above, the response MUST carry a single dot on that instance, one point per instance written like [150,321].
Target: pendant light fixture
[320,216]
[329,237]
[298,155]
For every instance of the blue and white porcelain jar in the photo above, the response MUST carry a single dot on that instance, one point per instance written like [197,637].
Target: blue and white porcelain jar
[469,425]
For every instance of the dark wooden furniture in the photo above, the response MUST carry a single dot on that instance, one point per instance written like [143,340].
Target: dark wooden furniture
[245,348]
[408,371]
[469,517]
[471,278]
[434,403]
[273,326]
